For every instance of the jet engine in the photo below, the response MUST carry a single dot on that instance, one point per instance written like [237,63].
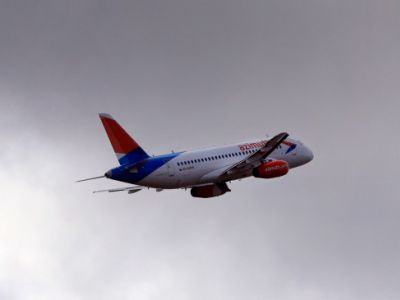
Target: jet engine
[272,169]
[209,190]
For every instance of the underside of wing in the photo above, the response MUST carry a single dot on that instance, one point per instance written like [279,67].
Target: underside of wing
[254,160]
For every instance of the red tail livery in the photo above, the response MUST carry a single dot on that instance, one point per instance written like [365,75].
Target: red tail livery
[125,147]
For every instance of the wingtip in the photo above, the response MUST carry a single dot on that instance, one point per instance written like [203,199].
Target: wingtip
[283,135]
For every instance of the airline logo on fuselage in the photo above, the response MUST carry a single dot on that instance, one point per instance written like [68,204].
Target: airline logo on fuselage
[251,146]
[291,146]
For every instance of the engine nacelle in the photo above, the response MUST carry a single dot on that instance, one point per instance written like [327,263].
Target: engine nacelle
[272,169]
[210,190]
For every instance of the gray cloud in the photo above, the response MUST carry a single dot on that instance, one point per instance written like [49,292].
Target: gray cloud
[188,74]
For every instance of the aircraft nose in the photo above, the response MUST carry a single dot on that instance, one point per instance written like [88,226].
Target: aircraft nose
[308,155]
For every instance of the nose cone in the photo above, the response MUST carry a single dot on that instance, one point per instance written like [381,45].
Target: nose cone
[308,155]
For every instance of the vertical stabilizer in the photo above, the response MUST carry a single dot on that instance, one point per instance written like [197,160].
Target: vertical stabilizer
[125,147]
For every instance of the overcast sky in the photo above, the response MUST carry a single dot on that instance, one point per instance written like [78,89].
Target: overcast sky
[180,75]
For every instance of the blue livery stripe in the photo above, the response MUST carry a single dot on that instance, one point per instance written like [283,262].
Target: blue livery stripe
[291,148]
[145,168]
[136,155]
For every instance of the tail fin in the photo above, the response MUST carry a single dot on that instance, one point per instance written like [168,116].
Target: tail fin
[126,149]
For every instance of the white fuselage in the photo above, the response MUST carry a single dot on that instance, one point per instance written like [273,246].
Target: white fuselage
[199,167]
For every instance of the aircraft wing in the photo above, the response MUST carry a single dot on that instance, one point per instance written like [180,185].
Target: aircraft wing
[254,160]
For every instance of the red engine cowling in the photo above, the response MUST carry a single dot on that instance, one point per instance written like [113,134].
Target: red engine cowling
[210,190]
[275,168]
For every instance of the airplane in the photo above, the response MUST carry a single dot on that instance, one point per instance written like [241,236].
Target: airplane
[205,172]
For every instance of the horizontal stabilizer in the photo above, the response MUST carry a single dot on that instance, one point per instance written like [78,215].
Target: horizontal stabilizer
[130,190]
[91,178]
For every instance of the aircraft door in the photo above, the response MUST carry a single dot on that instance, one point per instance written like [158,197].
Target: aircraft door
[170,170]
